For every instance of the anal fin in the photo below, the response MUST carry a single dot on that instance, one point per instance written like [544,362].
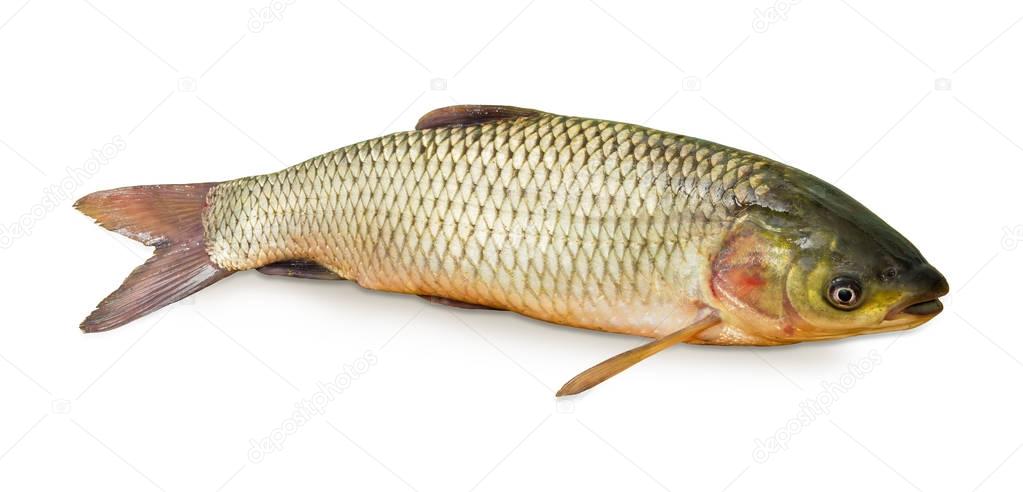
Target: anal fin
[299,269]
[453,303]
[605,370]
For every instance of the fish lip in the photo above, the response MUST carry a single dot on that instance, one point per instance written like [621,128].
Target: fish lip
[924,309]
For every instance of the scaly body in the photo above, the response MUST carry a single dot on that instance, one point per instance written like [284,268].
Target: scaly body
[577,221]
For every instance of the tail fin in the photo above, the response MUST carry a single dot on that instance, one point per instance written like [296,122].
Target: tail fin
[168,217]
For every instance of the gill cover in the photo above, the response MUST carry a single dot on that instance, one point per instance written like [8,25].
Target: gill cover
[749,271]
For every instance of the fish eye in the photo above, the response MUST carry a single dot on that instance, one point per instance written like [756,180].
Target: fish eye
[845,293]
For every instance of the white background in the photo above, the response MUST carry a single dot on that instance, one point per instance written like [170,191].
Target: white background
[912,107]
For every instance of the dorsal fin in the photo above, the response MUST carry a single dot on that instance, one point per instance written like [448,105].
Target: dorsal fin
[471,114]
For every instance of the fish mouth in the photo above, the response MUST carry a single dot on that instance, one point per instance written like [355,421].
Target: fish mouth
[910,315]
[914,310]
[926,308]
[925,305]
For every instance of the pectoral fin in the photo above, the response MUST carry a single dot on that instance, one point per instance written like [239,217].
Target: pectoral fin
[603,371]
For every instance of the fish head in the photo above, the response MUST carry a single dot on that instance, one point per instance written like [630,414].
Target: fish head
[814,264]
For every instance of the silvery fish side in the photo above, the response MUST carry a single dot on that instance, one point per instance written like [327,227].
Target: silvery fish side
[576,221]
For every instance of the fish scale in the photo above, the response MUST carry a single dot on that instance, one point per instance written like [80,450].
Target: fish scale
[578,221]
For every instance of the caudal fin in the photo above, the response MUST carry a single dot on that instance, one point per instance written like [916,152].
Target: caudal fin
[168,217]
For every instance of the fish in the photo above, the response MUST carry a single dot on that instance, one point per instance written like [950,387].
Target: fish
[575,221]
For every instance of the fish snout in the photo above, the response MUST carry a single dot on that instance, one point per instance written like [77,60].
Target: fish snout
[925,303]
